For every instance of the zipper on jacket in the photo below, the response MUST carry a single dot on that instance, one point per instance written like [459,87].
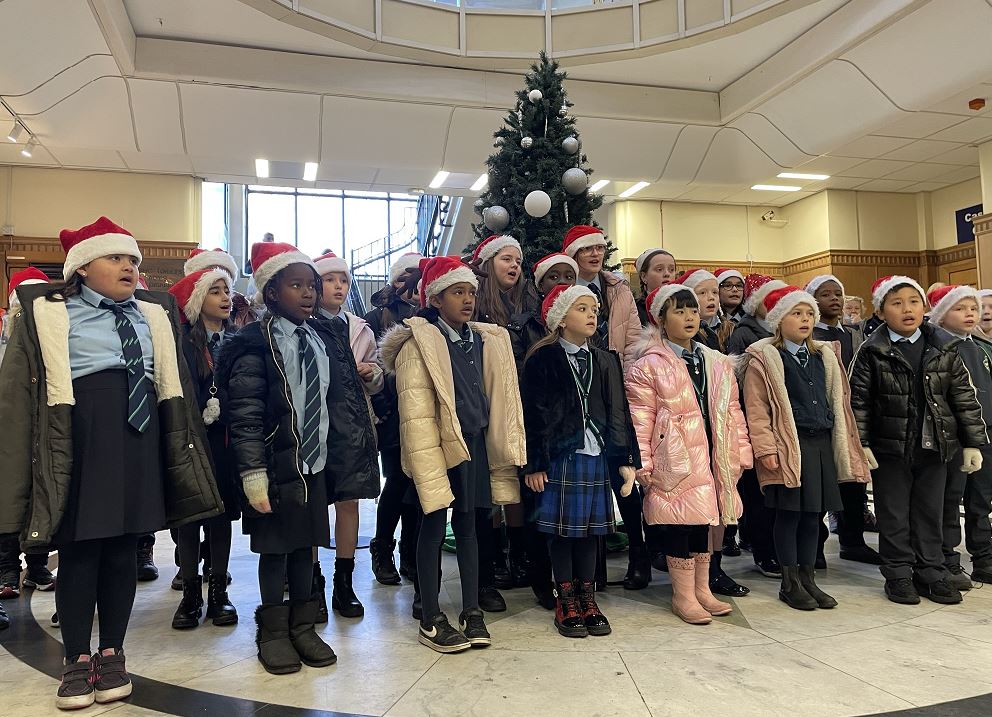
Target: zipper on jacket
[292,410]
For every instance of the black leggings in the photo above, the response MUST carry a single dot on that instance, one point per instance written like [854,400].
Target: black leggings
[428,566]
[96,575]
[573,558]
[796,536]
[392,509]
[630,510]
[274,569]
[218,532]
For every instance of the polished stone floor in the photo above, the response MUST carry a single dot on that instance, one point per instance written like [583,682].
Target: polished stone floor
[868,656]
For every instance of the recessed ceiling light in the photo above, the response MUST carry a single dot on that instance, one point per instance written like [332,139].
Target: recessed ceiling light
[803,175]
[15,132]
[775,188]
[481,182]
[440,178]
[310,171]
[29,147]
[262,168]
[599,185]
[630,191]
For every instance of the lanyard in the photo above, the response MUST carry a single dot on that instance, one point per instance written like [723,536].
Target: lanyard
[584,387]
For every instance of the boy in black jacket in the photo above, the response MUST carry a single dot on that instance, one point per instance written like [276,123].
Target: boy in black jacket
[915,406]
[956,311]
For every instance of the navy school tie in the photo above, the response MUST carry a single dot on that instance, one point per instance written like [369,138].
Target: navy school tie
[310,436]
[803,355]
[139,410]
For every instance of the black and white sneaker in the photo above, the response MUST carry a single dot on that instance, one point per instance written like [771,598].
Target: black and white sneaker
[39,577]
[473,626]
[440,636]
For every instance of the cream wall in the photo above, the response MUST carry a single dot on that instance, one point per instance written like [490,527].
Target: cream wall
[41,202]
[947,201]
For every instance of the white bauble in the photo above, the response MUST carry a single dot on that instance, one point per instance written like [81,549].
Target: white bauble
[574,181]
[535,96]
[527,142]
[570,145]
[537,204]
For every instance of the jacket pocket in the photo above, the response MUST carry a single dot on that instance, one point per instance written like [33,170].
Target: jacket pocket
[672,455]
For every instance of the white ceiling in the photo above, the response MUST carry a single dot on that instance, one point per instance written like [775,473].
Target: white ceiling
[873,92]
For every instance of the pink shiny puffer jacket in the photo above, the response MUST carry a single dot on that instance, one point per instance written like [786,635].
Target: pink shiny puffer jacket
[684,484]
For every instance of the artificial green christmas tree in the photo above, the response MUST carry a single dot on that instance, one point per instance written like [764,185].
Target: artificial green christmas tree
[538,178]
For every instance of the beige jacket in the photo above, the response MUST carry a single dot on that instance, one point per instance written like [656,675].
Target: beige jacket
[431,439]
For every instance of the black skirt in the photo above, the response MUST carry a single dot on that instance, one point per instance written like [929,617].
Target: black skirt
[224,471]
[471,482]
[294,523]
[818,491]
[117,481]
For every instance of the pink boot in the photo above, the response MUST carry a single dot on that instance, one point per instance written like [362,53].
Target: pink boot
[713,606]
[682,572]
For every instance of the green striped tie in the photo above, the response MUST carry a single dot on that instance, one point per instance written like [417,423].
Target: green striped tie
[310,435]
[139,410]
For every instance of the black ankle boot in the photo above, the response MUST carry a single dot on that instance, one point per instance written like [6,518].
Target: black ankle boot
[638,568]
[219,606]
[383,566]
[408,559]
[317,593]
[792,592]
[823,600]
[343,598]
[190,608]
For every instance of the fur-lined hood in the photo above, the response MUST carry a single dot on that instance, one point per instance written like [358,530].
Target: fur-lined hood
[392,341]
[651,341]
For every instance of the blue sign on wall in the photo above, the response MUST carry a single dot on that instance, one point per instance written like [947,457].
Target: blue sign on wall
[962,218]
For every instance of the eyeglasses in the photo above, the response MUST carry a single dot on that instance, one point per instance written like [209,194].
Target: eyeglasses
[596,249]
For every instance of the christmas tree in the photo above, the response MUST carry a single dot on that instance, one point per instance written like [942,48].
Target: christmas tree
[538,178]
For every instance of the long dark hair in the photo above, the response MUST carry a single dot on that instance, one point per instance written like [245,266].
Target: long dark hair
[197,336]
[61,292]
[492,301]
[646,264]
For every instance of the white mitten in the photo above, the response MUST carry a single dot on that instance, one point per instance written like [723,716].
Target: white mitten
[972,460]
[628,474]
[870,457]
[256,486]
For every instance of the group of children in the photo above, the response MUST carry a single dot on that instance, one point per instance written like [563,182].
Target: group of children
[528,406]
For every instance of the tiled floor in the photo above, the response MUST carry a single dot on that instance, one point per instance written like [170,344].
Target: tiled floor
[867,656]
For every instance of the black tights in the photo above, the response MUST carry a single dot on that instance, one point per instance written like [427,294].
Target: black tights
[218,532]
[274,569]
[428,566]
[573,558]
[796,536]
[391,510]
[95,575]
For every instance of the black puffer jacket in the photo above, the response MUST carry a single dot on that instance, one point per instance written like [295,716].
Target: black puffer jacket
[384,403]
[885,407]
[525,330]
[262,423]
[748,331]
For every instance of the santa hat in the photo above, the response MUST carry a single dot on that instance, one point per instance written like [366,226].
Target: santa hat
[756,288]
[488,248]
[101,238]
[559,300]
[646,255]
[441,272]
[31,275]
[200,259]
[269,258]
[404,264]
[881,288]
[142,283]
[779,302]
[983,293]
[817,281]
[657,298]
[723,274]
[582,237]
[330,262]
[192,290]
[943,300]
[545,263]
[693,278]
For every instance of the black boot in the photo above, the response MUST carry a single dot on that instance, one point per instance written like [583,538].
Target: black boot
[823,600]
[145,559]
[638,568]
[792,592]
[408,559]
[383,566]
[343,598]
[219,606]
[721,583]
[190,608]
[517,557]
[275,651]
[317,593]
[311,649]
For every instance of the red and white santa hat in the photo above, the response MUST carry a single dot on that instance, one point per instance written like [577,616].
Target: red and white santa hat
[582,236]
[331,262]
[725,273]
[779,302]
[984,293]
[191,291]
[881,288]
[943,300]
[491,246]
[657,298]
[405,263]
[545,263]
[756,288]
[142,282]
[693,278]
[200,259]
[269,258]
[441,272]
[559,300]
[817,281]
[645,255]
[31,275]
[101,238]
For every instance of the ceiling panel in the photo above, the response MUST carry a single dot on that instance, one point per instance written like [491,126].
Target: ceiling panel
[875,168]
[973,130]
[918,124]
[921,172]
[767,136]
[926,187]
[64,84]
[921,150]
[690,149]
[96,117]
[958,102]
[884,185]
[959,175]
[346,172]
[408,178]
[964,154]
[11,154]
[151,162]
[156,116]
[870,146]
[470,138]
[662,189]
[713,193]
[732,157]
[89,158]
[755,197]
[644,150]
[828,165]
[208,164]
[836,183]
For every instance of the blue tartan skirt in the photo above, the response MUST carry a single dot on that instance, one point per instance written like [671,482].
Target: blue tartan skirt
[577,499]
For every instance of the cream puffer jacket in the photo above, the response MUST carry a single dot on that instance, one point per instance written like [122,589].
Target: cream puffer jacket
[686,483]
[431,439]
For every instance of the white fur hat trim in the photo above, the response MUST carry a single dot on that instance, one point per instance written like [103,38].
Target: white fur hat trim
[958,293]
[698,277]
[665,293]
[497,245]
[335,263]
[817,281]
[401,265]
[207,259]
[455,276]
[274,265]
[556,314]
[199,294]
[543,267]
[645,255]
[878,296]
[787,303]
[584,242]
[93,248]
[758,297]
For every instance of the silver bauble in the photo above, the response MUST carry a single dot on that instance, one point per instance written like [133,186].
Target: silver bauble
[496,218]
[537,204]
[535,96]
[574,181]
[527,142]
[563,111]
[570,145]
[479,204]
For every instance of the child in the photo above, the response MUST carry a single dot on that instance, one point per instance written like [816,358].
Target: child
[956,312]
[704,285]
[731,284]
[694,445]
[93,374]
[985,325]
[204,297]
[462,435]
[527,327]
[803,434]
[915,406]
[242,312]
[499,260]
[301,433]
[655,268]
[578,432]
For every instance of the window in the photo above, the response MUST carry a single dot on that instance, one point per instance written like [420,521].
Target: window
[213,212]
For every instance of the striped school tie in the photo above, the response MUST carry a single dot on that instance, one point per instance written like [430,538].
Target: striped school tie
[139,410]
[803,355]
[310,436]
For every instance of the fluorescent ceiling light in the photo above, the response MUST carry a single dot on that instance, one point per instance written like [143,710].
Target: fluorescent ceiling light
[802,175]
[262,168]
[599,185]
[440,178]
[481,182]
[775,188]
[309,171]
[630,191]
[29,147]
[15,132]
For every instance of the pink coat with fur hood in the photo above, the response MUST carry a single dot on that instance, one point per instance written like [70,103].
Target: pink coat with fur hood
[686,482]
[366,350]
